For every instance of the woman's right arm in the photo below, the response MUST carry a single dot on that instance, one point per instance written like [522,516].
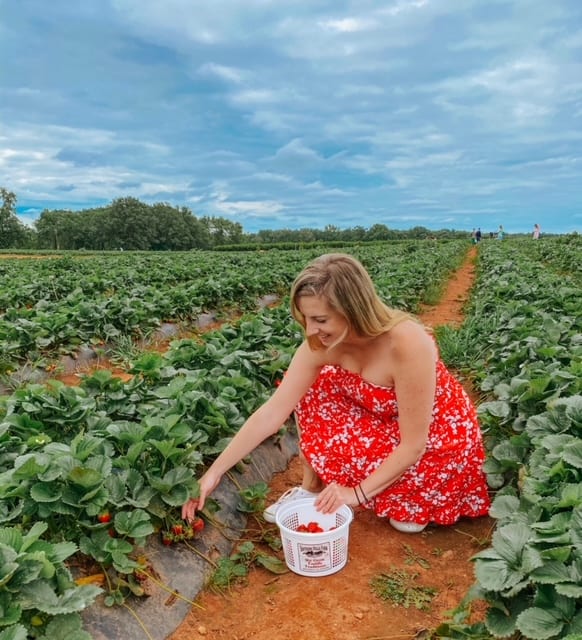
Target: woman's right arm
[264,422]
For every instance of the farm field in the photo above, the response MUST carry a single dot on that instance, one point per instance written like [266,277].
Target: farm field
[343,605]
[132,448]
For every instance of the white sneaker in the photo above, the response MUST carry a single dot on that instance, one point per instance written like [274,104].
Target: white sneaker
[296,493]
[407,527]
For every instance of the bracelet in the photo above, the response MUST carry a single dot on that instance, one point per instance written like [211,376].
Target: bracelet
[357,496]
[365,496]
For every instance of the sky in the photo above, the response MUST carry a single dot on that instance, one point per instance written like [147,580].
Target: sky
[447,114]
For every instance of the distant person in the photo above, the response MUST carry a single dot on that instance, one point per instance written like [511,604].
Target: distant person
[473,236]
[383,424]
[478,235]
[536,231]
[500,232]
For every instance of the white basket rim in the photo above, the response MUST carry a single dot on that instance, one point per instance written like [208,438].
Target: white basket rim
[294,505]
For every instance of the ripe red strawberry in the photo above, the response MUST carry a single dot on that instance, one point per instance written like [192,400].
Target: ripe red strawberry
[314,527]
[198,524]
[104,517]
[177,529]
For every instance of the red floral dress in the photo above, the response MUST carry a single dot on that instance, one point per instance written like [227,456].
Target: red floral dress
[350,426]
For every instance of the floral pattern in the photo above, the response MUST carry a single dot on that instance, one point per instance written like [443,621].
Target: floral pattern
[350,426]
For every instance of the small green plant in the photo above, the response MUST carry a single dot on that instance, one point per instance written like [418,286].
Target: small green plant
[413,558]
[398,586]
[125,351]
[237,566]
[462,348]
[253,499]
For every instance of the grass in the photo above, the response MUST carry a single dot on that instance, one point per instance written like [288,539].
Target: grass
[399,587]
[125,351]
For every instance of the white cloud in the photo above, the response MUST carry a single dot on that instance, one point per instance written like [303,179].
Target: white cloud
[347,25]
[230,74]
[278,113]
[255,208]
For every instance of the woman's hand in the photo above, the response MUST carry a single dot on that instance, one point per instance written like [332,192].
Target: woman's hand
[207,484]
[335,496]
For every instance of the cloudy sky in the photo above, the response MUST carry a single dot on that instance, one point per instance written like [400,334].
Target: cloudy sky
[298,113]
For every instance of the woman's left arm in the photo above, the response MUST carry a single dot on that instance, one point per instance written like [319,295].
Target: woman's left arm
[413,360]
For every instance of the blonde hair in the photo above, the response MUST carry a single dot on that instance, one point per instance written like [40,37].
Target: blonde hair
[346,285]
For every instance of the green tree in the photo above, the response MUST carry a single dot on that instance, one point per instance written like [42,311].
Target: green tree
[129,225]
[60,229]
[172,229]
[378,232]
[13,233]
[223,231]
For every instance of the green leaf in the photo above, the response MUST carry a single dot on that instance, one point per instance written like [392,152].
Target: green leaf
[539,624]
[561,554]
[573,454]
[33,534]
[67,627]
[15,632]
[551,573]
[492,575]
[510,540]
[504,506]
[84,477]
[39,595]
[177,496]
[570,496]
[272,564]
[30,465]
[570,590]
[134,524]
[123,563]
[42,492]
[496,408]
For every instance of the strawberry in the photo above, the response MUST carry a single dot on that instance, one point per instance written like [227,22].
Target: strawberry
[314,527]
[198,524]
[177,529]
[104,517]
[167,539]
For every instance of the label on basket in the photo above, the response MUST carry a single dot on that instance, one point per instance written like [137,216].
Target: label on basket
[314,557]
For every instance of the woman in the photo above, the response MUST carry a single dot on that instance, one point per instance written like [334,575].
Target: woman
[383,424]
[536,231]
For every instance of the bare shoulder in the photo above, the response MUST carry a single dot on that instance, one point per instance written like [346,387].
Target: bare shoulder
[409,339]
[309,357]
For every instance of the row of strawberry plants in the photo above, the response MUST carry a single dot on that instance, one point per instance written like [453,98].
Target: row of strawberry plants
[562,254]
[53,306]
[524,329]
[105,465]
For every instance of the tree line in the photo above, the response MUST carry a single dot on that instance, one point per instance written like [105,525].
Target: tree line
[131,225]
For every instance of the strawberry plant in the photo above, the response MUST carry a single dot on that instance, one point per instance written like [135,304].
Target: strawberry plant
[236,567]
[38,596]
[531,363]
[253,499]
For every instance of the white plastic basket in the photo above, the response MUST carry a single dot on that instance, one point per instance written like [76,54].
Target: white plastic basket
[314,554]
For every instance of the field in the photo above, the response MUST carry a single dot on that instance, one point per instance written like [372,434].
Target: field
[102,466]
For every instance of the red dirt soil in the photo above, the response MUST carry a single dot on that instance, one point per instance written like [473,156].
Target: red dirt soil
[343,606]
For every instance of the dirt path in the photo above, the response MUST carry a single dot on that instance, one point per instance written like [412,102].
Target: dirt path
[342,606]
